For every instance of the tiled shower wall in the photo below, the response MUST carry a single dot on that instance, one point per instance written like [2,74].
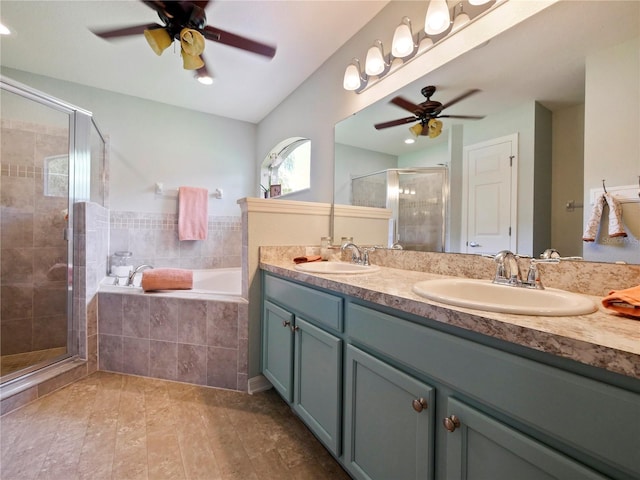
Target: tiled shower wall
[420,211]
[91,222]
[370,191]
[33,251]
[153,240]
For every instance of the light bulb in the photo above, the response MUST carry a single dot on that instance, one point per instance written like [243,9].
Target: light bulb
[351,78]
[478,2]
[402,44]
[205,79]
[437,19]
[374,64]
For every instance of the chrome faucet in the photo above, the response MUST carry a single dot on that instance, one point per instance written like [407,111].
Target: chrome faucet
[508,271]
[359,255]
[137,270]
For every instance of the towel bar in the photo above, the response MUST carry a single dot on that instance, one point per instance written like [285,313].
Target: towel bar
[622,193]
[173,192]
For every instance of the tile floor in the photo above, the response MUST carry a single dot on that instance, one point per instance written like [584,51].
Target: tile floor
[112,426]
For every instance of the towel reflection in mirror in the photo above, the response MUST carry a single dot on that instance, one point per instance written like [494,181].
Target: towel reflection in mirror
[615,218]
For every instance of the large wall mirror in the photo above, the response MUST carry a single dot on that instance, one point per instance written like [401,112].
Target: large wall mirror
[563,87]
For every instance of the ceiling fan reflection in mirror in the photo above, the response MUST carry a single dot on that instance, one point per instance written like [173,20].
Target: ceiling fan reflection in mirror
[186,21]
[427,113]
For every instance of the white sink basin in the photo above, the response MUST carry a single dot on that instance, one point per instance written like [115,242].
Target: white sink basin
[335,267]
[485,295]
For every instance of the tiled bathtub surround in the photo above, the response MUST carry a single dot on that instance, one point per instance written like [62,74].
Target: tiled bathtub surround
[153,239]
[202,342]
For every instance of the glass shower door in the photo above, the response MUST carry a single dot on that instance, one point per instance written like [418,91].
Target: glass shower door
[35,266]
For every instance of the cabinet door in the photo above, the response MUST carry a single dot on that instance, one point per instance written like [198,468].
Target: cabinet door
[317,382]
[389,419]
[480,447]
[277,349]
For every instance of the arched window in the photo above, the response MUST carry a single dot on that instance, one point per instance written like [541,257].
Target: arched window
[287,168]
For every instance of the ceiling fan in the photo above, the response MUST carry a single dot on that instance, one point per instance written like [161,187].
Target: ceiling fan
[427,113]
[186,22]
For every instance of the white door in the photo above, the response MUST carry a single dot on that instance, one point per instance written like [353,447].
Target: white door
[490,196]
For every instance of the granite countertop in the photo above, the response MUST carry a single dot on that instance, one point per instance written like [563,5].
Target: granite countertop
[601,339]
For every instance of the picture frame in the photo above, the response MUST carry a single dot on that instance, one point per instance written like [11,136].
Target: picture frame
[275,190]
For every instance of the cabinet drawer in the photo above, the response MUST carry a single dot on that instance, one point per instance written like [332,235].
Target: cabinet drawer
[593,417]
[320,307]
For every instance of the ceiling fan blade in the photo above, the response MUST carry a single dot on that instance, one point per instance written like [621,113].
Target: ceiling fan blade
[170,9]
[125,31]
[458,98]
[233,40]
[468,117]
[406,104]
[202,4]
[393,123]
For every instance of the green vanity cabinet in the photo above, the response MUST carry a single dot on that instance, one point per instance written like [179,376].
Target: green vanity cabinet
[277,348]
[318,382]
[414,399]
[389,421]
[302,359]
[479,447]
[511,410]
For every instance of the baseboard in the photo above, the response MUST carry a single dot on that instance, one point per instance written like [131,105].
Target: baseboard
[258,384]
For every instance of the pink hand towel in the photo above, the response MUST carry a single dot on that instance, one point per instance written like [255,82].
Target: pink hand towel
[167,279]
[193,204]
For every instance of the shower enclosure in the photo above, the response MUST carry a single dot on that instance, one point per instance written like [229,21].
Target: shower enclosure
[417,198]
[52,156]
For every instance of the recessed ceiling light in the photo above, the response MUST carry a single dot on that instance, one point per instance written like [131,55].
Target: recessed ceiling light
[4,30]
[409,141]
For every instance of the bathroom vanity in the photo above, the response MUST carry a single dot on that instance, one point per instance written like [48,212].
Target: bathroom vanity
[396,386]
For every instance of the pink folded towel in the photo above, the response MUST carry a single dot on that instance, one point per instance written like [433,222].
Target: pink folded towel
[193,204]
[167,279]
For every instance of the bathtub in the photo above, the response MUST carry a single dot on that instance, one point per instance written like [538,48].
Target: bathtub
[206,282]
[196,336]
[219,281]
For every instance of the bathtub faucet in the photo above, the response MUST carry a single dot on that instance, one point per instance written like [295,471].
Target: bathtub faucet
[138,269]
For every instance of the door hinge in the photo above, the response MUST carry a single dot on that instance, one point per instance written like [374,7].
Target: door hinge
[509,231]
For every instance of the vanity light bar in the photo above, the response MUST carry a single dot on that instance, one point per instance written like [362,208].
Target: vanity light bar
[406,45]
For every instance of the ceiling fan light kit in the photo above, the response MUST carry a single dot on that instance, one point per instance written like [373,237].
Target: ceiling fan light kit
[406,45]
[158,39]
[427,113]
[186,21]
